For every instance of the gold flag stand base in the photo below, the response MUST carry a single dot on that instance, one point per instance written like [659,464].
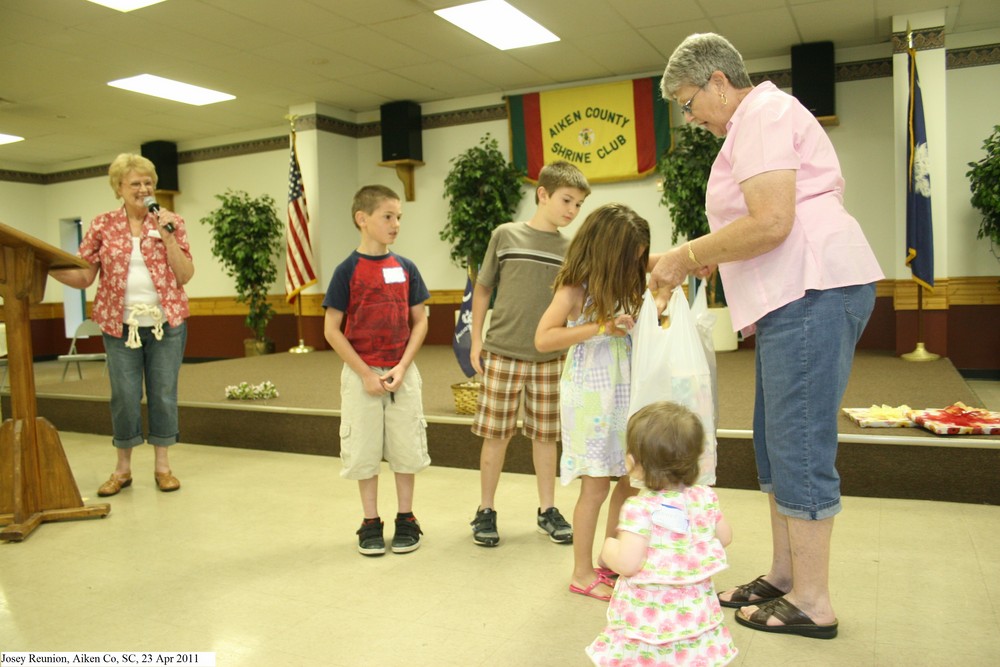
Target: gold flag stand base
[920,354]
[301,348]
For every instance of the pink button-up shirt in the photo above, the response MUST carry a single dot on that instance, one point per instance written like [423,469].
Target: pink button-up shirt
[826,248]
[108,243]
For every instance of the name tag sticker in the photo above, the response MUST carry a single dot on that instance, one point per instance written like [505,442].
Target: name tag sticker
[393,274]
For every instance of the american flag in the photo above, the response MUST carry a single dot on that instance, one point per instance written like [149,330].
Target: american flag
[299,272]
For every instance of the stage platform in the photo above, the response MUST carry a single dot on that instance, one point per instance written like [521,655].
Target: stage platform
[305,418]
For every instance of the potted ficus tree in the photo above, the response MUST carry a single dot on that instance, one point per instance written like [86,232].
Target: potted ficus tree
[246,237]
[984,180]
[484,190]
[685,168]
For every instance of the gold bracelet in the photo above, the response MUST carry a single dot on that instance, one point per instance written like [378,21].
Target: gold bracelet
[600,329]
[691,255]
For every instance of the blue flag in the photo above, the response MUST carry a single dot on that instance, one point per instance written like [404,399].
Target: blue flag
[919,230]
[461,342]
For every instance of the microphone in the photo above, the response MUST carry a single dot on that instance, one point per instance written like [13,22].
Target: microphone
[154,207]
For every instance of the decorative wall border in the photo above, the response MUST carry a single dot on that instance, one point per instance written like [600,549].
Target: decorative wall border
[863,69]
[975,56]
[923,39]
[232,150]
[782,78]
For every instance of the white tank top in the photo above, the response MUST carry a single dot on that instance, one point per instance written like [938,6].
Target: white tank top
[139,288]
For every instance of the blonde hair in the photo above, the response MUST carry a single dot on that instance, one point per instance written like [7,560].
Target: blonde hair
[609,255]
[368,198]
[125,163]
[561,174]
[666,439]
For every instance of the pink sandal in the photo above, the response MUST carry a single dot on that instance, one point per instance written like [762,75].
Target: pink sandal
[589,590]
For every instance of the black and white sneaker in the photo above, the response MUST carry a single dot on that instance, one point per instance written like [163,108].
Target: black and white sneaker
[552,523]
[484,528]
[370,540]
[407,537]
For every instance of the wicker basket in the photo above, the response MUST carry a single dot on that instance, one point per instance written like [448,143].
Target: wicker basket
[466,397]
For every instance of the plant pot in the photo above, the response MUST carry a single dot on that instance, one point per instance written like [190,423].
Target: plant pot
[253,347]
[723,336]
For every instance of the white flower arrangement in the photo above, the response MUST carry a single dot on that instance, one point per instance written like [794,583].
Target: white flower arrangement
[250,392]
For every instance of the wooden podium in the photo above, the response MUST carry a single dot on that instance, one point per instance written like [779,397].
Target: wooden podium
[36,483]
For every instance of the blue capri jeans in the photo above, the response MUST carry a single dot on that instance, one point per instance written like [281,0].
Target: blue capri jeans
[156,366]
[803,359]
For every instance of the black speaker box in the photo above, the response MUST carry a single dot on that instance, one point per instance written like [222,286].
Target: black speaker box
[401,132]
[813,77]
[163,155]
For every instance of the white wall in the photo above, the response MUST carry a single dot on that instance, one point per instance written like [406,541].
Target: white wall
[334,166]
[864,145]
[973,111]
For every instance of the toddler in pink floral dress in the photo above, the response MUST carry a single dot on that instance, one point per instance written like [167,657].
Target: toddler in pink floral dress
[670,541]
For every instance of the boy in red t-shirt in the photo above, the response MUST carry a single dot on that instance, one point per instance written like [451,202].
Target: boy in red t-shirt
[379,296]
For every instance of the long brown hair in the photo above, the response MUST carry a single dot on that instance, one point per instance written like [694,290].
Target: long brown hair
[609,255]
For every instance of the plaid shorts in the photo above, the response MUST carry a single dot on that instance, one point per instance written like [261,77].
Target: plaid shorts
[503,380]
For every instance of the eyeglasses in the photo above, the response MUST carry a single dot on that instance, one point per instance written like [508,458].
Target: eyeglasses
[686,107]
[138,185]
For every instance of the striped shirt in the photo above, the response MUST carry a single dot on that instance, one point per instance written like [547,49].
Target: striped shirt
[521,263]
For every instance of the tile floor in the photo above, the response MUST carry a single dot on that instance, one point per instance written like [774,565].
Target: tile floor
[254,559]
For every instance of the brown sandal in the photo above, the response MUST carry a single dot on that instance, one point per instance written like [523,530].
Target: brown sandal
[764,591]
[114,485]
[165,481]
[795,621]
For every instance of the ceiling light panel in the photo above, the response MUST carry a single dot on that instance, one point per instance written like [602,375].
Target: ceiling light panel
[157,86]
[125,5]
[497,23]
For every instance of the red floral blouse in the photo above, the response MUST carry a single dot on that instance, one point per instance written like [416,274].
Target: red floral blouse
[108,244]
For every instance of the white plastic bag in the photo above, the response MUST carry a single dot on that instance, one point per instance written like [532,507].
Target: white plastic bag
[671,365]
[705,321]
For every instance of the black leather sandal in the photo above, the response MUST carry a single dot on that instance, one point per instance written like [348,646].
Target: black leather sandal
[795,621]
[764,591]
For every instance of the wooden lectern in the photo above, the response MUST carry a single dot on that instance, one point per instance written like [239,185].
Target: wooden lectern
[36,483]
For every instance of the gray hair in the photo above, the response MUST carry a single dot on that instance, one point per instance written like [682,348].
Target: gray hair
[697,57]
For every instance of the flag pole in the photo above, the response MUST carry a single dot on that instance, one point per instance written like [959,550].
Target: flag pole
[920,352]
[301,348]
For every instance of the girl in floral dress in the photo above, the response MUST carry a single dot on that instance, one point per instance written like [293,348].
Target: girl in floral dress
[598,293]
[664,610]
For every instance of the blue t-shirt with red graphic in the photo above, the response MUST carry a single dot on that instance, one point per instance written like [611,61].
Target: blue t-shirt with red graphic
[376,294]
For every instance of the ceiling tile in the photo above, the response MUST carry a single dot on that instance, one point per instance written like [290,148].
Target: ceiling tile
[56,57]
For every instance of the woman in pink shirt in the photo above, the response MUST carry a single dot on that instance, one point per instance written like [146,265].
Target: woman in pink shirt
[799,274]
[144,260]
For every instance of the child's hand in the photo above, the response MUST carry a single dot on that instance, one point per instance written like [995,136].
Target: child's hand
[623,324]
[393,379]
[373,384]
[618,327]
[476,356]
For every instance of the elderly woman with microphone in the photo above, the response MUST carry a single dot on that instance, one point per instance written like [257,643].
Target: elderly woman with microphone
[142,255]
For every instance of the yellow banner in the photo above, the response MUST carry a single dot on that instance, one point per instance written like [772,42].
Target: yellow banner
[611,131]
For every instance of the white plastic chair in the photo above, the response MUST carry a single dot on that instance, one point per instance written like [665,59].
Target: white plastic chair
[86,329]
